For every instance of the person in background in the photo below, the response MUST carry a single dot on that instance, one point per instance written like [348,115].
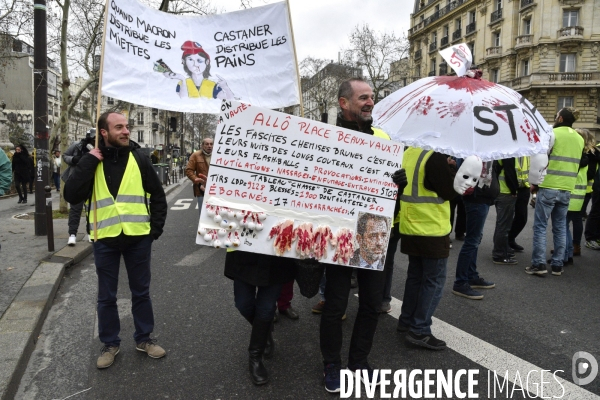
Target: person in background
[502,253]
[198,165]
[31,173]
[284,302]
[520,217]
[592,223]
[21,167]
[154,157]
[56,170]
[5,173]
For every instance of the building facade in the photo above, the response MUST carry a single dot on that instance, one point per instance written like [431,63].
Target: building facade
[548,50]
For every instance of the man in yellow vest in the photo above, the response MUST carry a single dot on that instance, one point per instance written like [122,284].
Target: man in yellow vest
[119,182]
[554,192]
[425,238]
[505,211]
[355,98]
[521,211]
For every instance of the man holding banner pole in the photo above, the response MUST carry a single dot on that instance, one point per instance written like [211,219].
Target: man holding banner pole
[355,98]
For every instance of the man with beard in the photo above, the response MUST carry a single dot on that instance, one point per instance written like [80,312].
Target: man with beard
[355,98]
[127,209]
[554,192]
[198,166]
[372,235]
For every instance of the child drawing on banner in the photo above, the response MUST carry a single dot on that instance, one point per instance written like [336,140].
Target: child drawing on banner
[196,64]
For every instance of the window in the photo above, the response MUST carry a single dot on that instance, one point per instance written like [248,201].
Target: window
[567,63]
[458,24]
[433,65]
[496,39]
[570,18]
[140,118]
[495,75]
[434,37]
[445,30]
[564,102]
[527,27]
[386,93]
[498,4]
[525,67]
[471,16]
[471,46]
[140,137]
[110,101]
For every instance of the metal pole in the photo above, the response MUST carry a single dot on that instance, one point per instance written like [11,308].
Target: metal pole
[49,220]
[40,113]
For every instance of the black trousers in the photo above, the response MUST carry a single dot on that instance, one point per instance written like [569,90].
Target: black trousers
[592,223]
[520,219]
[337,289]
[460,227]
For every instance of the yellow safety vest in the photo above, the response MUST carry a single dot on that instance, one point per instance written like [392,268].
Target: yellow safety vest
[422,211]
[206,88]
[128,213]
[564,160]
[578,193]
[522,170]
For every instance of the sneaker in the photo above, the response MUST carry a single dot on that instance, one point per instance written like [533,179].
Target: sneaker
[568,262]
[359,368]
[151,348]
[331,376]
[557,270]
[290,312]
[107,356]
[386,307]
[467,291]
[593,244]
[539,270]
[481,283]
[515,246]
[505,261]
[318,308]
[72,240]
[427,341]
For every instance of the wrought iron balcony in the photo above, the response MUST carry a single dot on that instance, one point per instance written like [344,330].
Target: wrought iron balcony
[470,28]
[444,41]
[457,34]
[432,46]
[525,3]
[443,69]
[435,16]
[496,15]
[418,54]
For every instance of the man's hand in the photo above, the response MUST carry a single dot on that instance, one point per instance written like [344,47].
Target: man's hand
[399,178]
[533,189]
[75,160]
[97,153]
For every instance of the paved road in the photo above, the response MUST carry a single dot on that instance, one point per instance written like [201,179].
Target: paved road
[526,323]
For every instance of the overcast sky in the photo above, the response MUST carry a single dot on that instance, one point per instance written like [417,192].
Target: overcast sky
[321,27]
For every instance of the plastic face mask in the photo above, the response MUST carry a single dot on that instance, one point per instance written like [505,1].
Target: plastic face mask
[537,168]
[468,174]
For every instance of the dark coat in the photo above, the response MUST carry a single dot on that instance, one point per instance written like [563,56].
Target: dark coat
[21,166]
[259,269]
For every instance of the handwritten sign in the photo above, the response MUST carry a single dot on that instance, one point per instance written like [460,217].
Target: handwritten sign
[185,63]
[274,174]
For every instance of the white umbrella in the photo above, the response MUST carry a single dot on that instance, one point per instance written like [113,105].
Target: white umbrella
[463,116]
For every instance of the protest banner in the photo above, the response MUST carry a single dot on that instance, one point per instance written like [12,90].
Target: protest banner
[189,63]
[294,187]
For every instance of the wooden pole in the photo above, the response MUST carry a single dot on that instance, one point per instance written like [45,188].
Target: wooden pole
[296,59]
[98,108]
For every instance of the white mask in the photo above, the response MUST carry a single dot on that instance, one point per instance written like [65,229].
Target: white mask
[468,174]
[537,168]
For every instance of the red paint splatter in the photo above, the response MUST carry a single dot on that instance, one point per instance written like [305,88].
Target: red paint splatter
[423,106]
[464,83]
[493,102]
[532,135]
[452,109]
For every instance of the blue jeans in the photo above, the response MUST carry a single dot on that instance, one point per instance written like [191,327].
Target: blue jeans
[553,204]
[256,301]
[56,178]
[137,263]
[466,266]
[425,280]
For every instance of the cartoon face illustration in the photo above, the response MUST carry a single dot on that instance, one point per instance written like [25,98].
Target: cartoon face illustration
[195,64]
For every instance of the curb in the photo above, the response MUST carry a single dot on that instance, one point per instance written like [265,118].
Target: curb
[23,320]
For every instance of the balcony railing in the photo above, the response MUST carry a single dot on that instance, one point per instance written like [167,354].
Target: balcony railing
[570,31]
[432,46]
[418,54]
[470,28]
[457,34]
[443,69]
[525,3]
[493,51]
[437,15]
[496,15]
[444,41]
[543,78]
[524,40]
[431,73]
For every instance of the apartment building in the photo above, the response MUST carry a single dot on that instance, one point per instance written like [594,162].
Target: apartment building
[548,50]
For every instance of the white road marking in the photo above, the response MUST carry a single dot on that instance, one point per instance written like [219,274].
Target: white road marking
[496,359]
[196,258]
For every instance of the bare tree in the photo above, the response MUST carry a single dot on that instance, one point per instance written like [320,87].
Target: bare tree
[374,52]
[16,19]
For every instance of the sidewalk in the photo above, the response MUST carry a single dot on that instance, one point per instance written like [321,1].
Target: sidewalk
[29,278]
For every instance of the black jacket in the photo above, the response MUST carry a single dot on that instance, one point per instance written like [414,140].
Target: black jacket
[78,186]
[486,194]
[21,166]
[259,269]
